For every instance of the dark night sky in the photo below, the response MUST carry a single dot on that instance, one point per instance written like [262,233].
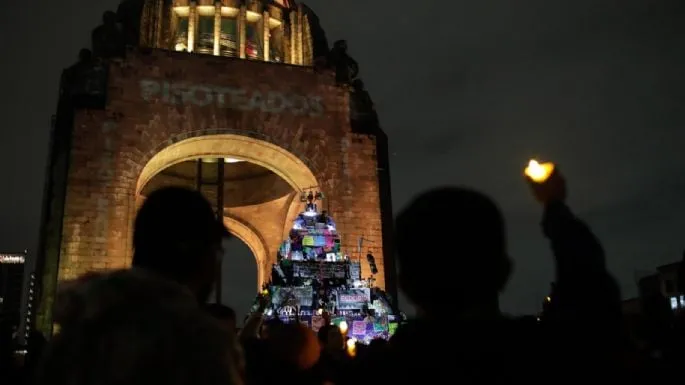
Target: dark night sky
[467,91]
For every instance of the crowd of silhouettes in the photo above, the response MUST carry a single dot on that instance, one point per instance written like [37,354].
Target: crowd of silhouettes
[151,324]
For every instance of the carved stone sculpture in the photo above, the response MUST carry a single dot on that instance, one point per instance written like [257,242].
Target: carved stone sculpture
[362,112]
[346,68]
[107,39]
[130,13]
[76,72]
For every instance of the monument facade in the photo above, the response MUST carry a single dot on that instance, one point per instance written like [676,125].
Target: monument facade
[247,91]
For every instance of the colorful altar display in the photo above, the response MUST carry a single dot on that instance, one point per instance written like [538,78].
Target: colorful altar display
[314,282]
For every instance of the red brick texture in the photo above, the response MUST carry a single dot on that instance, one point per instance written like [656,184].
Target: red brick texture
[110,148]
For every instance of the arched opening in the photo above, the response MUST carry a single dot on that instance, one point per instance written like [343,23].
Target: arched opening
[239,277]
[252,184]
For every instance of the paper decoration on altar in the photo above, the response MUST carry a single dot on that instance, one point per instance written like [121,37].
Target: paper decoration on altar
[355,271]
[358,328]
[353,298]
[306,269]
[392,328]
[301,296]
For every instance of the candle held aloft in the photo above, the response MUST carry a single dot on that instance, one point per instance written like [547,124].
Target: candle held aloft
[351,347]
[343,327]
[539,172]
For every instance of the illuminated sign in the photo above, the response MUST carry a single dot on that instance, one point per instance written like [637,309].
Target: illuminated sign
[235,98]
[12,258]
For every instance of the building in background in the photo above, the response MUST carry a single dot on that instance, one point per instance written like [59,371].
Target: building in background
[12,268]
[665,283]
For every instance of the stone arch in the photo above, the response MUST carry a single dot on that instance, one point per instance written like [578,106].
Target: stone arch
[292,168]
[254,241]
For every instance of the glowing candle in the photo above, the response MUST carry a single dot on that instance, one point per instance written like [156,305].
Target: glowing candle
[343,327]
[539,172]
[352,347]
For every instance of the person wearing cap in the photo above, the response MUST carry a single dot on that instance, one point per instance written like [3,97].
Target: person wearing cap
[177,235]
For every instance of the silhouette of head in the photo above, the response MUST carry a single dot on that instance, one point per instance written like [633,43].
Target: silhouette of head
[330,338]
[451,249]
[294,345]
[177,235]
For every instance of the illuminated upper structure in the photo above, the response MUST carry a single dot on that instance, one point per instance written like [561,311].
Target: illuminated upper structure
[269,30]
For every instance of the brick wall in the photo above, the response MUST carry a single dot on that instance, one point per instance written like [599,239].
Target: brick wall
[110,149]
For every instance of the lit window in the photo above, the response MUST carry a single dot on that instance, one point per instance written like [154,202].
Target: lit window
[276,43]
[682,301]
[253,46]
[181,31]
[674,303]
[228,42]
[254,32]
[205,34]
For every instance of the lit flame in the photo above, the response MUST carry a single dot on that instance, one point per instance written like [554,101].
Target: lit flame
[343,327]
[352,347]
[539,172]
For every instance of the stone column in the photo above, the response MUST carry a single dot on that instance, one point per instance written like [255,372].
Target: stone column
[242,31]
[159,14]
[217,27]
[173,26]
[267,34]
[299,40]
[285,42]
[192,25]
[293,38]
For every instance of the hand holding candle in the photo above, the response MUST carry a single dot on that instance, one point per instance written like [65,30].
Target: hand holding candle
[539,172]
[546,181]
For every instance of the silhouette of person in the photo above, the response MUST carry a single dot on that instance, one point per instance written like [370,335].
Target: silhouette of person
[473,230]
[177,235]
[135,327]
[459,309]
[584,289]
